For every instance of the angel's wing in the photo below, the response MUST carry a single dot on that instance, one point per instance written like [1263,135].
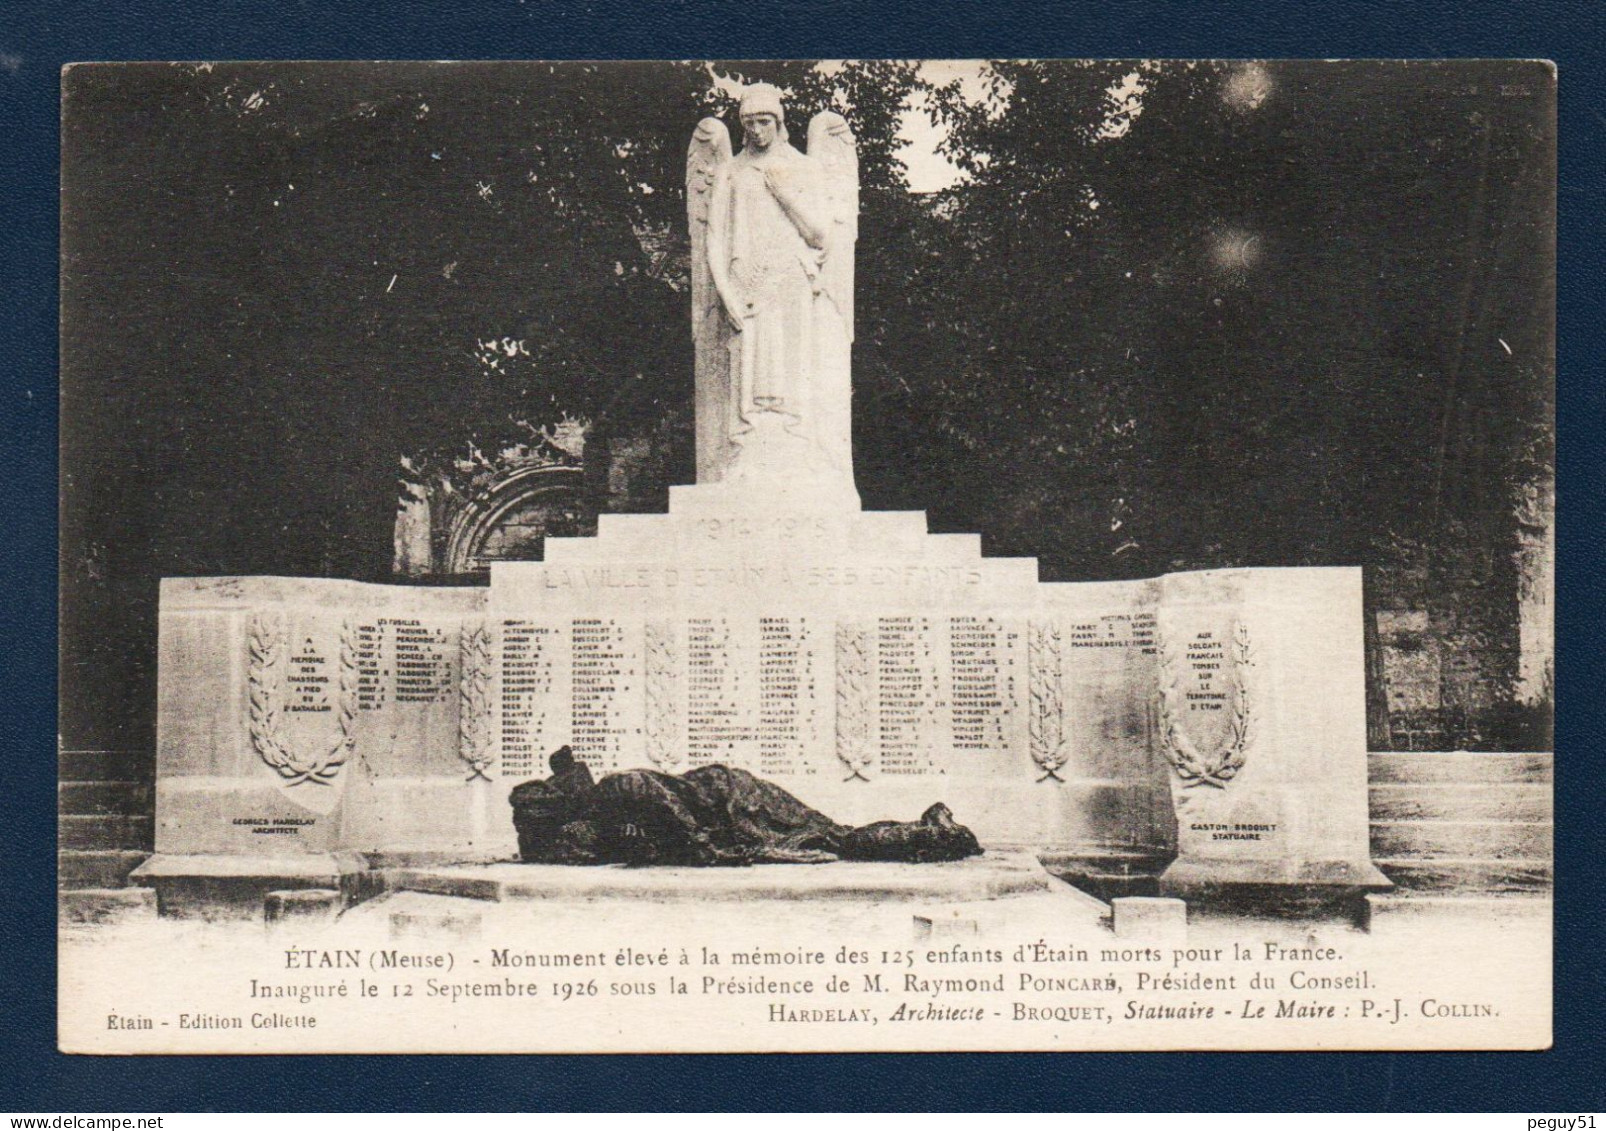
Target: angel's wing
[831,143]
[709,150]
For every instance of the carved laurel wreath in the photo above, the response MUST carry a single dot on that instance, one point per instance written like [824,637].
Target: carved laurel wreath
[474,700]
[268,651]
[1193,766]
[663,716]
[1046,720]
[854,728]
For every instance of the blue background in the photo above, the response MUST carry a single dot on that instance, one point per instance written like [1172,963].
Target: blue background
[37,37]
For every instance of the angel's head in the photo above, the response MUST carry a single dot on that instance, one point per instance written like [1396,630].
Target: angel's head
[763,119]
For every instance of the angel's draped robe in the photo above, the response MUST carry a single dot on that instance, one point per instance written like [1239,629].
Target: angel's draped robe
[792,351]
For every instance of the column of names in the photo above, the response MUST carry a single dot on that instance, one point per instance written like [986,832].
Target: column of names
[606,733]
[788,701]
[422,671]
[913,697]
[534,718]
[983,654]
[373,667]
[719,681]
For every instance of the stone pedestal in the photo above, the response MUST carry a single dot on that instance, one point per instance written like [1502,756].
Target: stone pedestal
[1262,712]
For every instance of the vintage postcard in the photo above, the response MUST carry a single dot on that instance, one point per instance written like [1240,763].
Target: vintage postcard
[807,556]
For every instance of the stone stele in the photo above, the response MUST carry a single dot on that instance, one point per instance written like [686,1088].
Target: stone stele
[313,730]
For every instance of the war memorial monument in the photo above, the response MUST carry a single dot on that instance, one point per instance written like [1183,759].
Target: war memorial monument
[317,733]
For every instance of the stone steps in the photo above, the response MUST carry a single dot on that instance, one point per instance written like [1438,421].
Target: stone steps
[83,798]
[105,868]
[73,766]
[1447,876]
[899,534]
[1460,768]
[1444,826]
[105,830]
[1463,826]
[97,831]
[1478,801]
[618,536]
[1465,840]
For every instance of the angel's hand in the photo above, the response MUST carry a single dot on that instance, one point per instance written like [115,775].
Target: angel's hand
[776,184]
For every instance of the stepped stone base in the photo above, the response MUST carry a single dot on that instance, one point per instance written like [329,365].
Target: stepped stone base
[105,831]
[993,876]
[237,887]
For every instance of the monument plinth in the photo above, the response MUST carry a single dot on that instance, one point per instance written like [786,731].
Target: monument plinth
[310,728]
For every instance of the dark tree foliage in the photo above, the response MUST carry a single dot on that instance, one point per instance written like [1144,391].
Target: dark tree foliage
[1294,314]
[1261,315]
[284,277]
[1240,320]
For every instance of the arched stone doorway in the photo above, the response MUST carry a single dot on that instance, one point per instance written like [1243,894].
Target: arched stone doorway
[453,526]
[512,519]
[457,514]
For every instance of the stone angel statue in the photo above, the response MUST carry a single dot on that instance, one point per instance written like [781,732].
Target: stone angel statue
[772,235]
